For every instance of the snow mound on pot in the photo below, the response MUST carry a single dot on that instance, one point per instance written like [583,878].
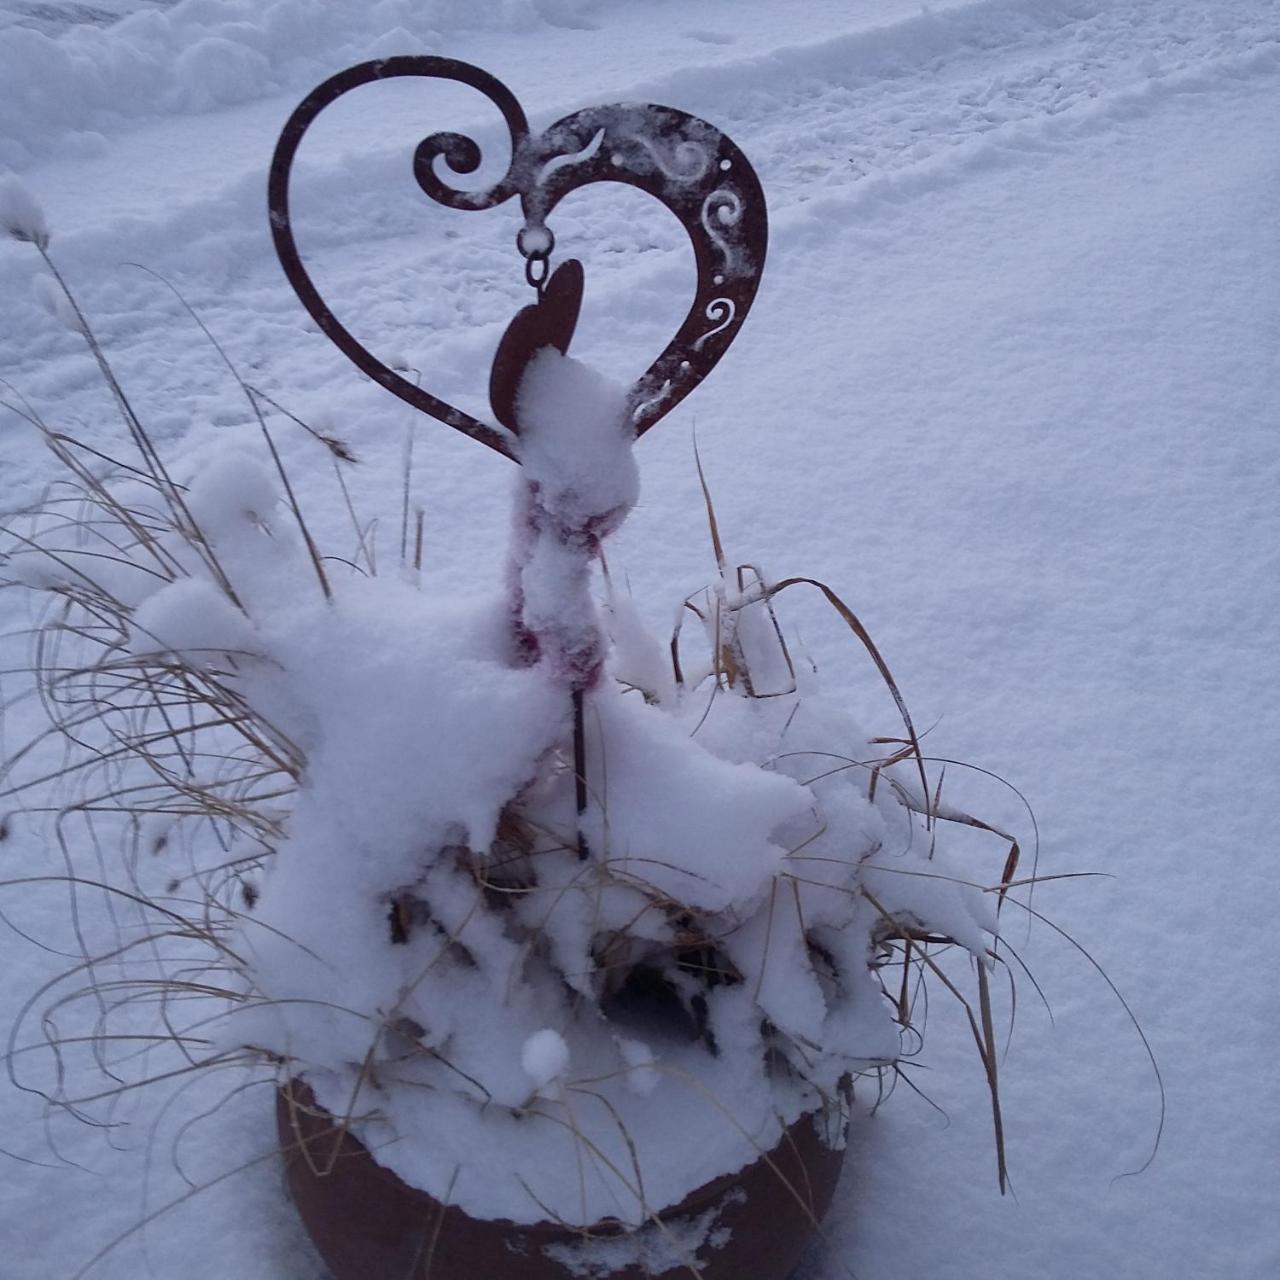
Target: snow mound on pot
[521,1006]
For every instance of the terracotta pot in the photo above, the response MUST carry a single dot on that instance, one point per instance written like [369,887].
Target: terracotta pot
[369,1225]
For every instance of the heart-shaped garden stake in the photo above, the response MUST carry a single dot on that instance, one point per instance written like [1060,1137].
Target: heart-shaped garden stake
[573,434]
[697,172]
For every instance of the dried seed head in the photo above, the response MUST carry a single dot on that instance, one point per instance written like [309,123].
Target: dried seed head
[20,213]
[339,448]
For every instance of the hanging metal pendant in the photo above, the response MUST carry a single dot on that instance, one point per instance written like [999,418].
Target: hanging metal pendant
[549,322]
[689,165]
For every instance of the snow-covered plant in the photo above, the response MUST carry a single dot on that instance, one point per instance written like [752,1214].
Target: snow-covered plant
[386,869]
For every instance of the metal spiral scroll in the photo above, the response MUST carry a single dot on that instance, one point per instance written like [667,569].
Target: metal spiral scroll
[687,164]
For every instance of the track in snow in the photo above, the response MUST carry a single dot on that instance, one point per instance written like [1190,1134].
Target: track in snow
[1062,484]
[887,114]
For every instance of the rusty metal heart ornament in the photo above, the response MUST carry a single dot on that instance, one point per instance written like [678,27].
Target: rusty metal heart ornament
[689,165]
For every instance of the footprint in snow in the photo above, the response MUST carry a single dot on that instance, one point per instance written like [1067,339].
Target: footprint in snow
[710,37]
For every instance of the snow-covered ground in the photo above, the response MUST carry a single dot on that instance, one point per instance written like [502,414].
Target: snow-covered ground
[1009,387]
[53,17]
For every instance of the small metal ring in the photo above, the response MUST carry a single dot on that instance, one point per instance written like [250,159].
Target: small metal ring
[536,242]
[537,278]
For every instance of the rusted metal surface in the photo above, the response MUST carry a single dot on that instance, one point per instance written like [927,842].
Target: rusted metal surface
[687,164]
[369,1225]
[549,322]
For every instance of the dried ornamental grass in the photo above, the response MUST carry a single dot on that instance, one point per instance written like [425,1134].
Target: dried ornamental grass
[172,760]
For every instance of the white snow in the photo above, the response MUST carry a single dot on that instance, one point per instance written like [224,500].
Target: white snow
[575,442]
[545,1057]
[192,618]
[1009,387]
[642,1073]
[235,496]
[578,479]
[670,1246]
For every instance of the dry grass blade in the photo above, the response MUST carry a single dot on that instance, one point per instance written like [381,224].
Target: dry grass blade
[712,524]
[981,1025]
[854,624]
[281,470]
[990,1060]
[1134,1022]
